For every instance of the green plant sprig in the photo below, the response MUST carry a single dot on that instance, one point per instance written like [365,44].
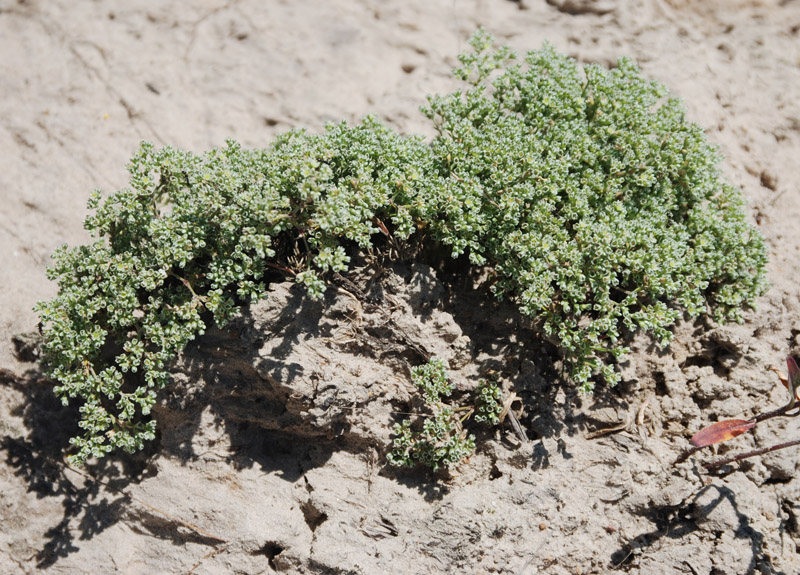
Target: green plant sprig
[600,209]
[194,235]
[439,439]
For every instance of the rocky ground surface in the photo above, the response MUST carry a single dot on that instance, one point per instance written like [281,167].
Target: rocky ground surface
[271,455]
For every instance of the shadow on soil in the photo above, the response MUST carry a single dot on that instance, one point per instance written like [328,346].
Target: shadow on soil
[678,522]
[222,383]
[37,458]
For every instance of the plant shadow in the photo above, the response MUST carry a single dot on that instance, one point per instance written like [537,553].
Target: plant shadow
[227,402]
[678,522]
[233,403]
[37,458]
[513,346]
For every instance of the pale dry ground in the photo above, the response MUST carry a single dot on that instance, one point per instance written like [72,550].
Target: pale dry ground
[81,83]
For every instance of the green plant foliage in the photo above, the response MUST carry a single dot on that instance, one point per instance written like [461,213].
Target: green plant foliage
[599,208]
[590,199]
[194,235]
[431,378]
[441,440]
[488,402]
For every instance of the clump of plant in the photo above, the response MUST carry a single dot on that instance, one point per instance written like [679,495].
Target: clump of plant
[599,208]
[584,193]
[441,441]
[437,438]
[488,402]
[730,428]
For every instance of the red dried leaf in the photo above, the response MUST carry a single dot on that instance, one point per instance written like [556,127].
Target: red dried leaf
[721,431]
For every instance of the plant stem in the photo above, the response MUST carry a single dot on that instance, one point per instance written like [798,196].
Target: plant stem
[748,454]
[778,412]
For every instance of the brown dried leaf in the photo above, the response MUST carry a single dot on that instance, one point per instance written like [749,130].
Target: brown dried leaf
[794,374]
[382,226]
[721,431]
[794,377]
[781,375]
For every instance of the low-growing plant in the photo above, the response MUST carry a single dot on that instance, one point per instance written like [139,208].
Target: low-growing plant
[431,379]
[440,443]
[488,402]
[440,439]
[437,438]
[584,193]
[730,428]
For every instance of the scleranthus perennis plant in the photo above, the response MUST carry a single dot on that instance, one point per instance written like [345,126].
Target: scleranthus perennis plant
[439,440]
[599,208]
[586,194]
[488,402]
[193,237]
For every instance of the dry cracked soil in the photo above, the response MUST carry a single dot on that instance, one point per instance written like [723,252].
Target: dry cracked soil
[271,454]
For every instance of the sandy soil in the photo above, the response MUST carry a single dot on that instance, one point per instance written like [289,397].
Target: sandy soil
[273,436]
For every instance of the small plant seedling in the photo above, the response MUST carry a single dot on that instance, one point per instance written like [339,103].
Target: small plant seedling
[730,428]
[488,402]
[439,438]
[441,441]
